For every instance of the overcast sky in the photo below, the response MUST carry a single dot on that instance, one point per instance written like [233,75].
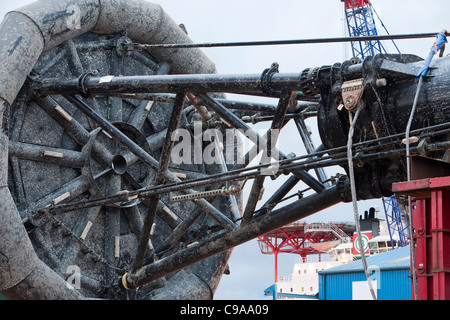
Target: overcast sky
[252,20]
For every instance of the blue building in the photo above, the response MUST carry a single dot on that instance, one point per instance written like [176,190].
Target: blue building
[390,275]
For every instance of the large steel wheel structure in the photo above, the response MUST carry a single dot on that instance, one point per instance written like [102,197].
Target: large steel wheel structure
[90,194]
[57,155]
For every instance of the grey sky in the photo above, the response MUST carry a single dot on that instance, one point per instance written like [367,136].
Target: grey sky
[251,20]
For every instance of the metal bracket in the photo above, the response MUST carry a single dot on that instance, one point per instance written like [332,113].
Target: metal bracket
[351,93]
[82,82]
[266,78]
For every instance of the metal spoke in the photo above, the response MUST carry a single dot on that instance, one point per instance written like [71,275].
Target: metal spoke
[149,160]
[112,238]
[135,221]
[140,114]
[80,232]
[56,59]
[73,128]
[61,157]
[65,193]
[74,59]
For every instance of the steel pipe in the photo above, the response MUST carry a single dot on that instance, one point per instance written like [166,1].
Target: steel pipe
[200,83]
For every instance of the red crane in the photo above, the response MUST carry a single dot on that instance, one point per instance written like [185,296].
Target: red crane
[351,4]
[304,239]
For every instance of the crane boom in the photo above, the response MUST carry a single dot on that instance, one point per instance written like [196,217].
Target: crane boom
[360,17]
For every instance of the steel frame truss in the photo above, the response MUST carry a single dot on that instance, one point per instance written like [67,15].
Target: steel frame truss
[396,220]
[361,23]
[232,232]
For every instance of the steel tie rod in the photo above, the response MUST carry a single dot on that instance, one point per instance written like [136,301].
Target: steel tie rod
[309,146]
[148,159]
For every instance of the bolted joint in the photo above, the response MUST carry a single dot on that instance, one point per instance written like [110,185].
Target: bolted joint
[266,78]
[82,87]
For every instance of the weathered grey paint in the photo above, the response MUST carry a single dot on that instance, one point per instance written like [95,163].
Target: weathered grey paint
[24,34]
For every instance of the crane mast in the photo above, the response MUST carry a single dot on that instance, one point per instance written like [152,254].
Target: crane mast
[361,22]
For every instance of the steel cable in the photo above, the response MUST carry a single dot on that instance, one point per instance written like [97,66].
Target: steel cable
[408,173]
[235,175]
[354,196]
[135,46]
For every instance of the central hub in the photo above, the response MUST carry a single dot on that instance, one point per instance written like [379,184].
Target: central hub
[119,164]
[122,170]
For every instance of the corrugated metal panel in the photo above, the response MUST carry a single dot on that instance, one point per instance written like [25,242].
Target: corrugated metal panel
[338,286]
[392,285]
[395,285]
[392,277]
[395,259]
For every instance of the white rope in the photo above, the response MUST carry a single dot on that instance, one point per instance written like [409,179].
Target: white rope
[354,197]
[408,169]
